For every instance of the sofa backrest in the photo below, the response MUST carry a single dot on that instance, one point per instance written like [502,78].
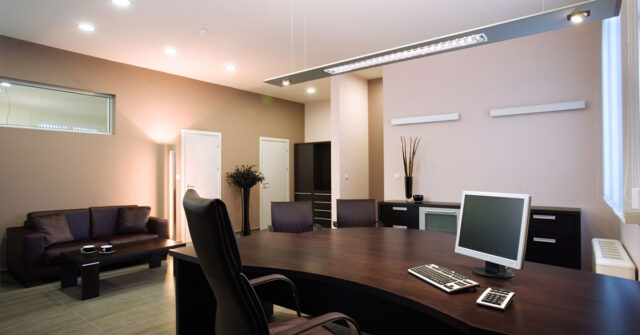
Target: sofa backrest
[78,220]
[104,220]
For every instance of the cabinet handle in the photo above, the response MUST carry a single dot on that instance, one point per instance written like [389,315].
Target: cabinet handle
[321,202]
[544,240]
[322,218]
[399,208]
[322,193]
[452,212]
[544,217]
[303,193]
[322,210]
[399,226]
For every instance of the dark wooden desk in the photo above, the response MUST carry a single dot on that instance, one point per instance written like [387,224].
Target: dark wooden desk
[362,272]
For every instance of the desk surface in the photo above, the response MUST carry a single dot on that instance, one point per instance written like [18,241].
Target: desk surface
[548,299]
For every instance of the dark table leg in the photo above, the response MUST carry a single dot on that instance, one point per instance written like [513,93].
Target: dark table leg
[155,259]
[68,274]
[90,280]
[195,302]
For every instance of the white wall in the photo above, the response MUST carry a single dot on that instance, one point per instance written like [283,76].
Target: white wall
[349,138]
[317,121]
[555,157]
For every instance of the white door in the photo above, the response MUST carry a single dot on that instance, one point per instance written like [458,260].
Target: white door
[201,167]
[274,165]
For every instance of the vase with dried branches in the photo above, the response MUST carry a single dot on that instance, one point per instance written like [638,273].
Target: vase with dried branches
[245,177]
[408,158]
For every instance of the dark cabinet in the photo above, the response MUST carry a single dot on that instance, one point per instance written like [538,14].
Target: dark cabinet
[553,237]
[312,164]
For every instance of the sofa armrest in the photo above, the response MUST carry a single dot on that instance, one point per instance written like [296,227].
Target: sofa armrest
[158,226]
[25,250]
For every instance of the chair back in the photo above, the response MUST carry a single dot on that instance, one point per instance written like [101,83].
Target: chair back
[292,217]
[356,213]
[238,309]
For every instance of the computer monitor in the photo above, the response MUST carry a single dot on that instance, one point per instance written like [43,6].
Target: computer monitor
[493,227]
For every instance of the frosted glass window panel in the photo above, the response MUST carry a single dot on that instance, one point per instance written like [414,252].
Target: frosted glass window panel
[612,157]
[28,105]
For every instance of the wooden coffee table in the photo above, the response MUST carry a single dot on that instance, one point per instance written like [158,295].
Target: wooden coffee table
[88,266]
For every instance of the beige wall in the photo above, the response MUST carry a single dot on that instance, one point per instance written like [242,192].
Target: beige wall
[376,141]
[555,157]
[349,138]
[54,170]
[317,121]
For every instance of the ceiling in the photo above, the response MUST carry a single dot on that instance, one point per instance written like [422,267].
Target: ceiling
[263,38]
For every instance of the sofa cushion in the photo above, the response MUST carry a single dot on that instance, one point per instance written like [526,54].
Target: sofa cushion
[53,226]
[128,238]
[104,221]
[52,253]
[133,219]
[78,220]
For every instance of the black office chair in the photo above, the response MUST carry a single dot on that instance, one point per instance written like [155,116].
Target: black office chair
[238,309]
[356,213]
[292,217]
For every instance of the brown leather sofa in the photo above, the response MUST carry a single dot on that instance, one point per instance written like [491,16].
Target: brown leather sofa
[33,250]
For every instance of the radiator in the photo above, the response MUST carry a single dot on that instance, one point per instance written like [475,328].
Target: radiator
[610,258]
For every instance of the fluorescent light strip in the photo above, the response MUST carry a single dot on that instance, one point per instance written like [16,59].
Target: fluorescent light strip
[405,54]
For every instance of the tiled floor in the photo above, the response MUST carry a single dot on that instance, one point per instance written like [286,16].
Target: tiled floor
[133,300]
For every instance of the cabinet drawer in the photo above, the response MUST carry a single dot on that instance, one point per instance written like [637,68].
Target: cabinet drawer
[399,215]
[322,196]
[303,196]
[562,233]
[553,243]
[322,205]
[322,213]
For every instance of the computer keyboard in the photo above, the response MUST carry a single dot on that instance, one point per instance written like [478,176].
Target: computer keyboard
[495,297]
[442,278]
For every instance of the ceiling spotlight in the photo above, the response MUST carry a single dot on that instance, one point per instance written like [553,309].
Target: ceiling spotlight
[5,84]
[311,90]
[230,67]
[203,31]
[286,83]
[578,17]
[122,3]
[86,27]
[170,51]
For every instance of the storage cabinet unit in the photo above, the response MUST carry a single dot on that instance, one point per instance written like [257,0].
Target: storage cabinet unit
[312,170]
[553,237]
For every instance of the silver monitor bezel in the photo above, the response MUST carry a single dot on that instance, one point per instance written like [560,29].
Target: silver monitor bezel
[522,243]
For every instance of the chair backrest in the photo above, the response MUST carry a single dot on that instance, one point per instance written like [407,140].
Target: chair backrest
[238,309]
[292,217]
[356,213]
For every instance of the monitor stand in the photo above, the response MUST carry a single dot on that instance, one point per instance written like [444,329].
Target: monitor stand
[493,270]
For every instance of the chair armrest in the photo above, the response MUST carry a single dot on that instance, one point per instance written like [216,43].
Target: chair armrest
[320,321]
[158,226]
[277,277]
[25,250]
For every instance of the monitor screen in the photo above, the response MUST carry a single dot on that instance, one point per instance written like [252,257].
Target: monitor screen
[492,227]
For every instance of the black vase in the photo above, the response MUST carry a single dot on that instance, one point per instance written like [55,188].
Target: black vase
[408,187]
[246,227]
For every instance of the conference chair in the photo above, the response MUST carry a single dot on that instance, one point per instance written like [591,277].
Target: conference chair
[356,213]
[292,217]
[238,309]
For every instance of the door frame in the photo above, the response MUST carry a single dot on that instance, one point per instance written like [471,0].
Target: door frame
[183,169]
[261,140]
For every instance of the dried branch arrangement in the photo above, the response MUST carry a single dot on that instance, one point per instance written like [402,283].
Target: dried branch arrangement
[409,157]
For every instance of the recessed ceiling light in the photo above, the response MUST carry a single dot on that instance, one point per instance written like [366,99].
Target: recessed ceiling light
[203,31]
[311,90]
[122,3]
[86,27]
[579,16]
[286,83]
[170,51]
[5,84]
[230,67]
